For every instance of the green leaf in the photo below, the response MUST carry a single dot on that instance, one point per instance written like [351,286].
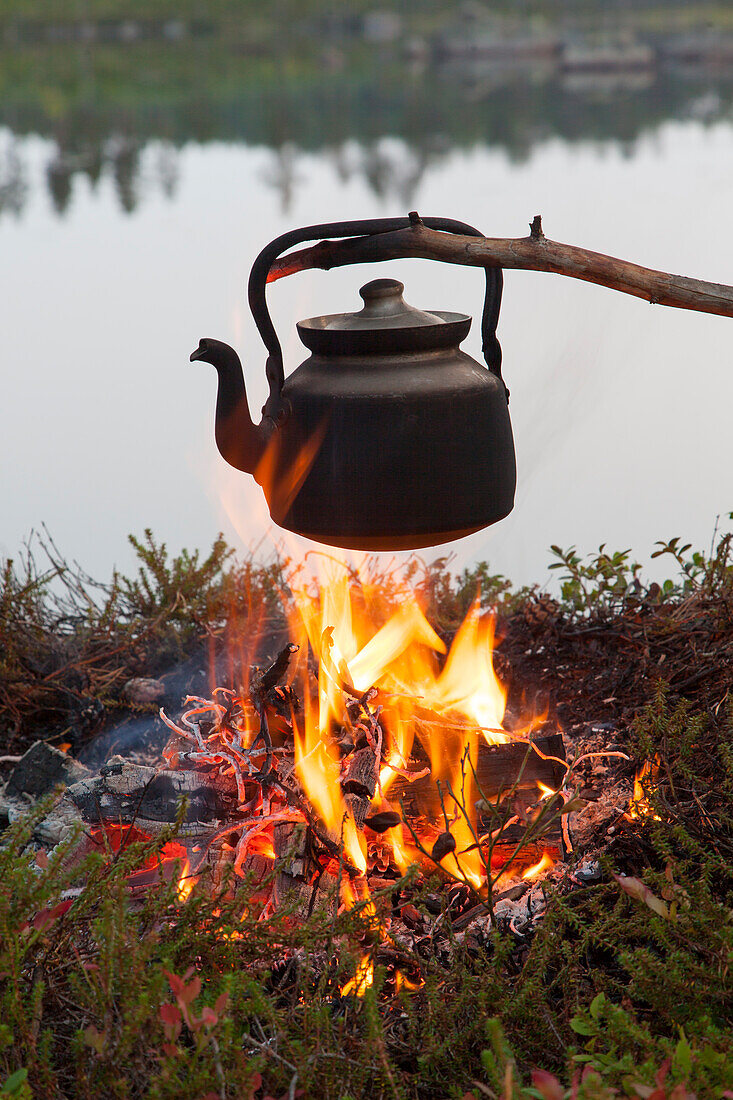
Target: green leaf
[682,1059]
[14,1082]
[582,1026]
[572,805]
[597,1005]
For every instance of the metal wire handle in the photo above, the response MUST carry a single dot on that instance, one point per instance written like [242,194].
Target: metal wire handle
[491,347]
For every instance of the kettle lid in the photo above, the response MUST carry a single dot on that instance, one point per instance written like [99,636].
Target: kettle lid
[384,307]
[386,323]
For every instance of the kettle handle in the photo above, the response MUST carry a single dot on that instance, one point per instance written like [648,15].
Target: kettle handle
[258,280]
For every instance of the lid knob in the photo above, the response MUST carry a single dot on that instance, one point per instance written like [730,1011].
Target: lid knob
[384,308]
[383,298]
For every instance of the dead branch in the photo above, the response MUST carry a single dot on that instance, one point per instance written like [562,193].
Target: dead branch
[533,253]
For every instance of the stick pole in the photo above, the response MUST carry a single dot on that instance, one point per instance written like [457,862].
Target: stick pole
[533,253]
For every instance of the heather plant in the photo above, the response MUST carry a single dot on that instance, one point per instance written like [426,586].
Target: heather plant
[601,583]
[184,586]
[68,644]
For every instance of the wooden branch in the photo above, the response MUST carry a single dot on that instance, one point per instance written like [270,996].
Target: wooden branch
[533,253]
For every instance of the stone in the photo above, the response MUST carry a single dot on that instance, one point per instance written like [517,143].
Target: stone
[143,690]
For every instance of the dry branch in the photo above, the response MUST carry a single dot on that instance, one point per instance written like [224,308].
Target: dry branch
[533,253]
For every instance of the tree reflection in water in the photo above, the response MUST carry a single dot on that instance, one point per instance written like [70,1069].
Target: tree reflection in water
[13,178]
[124,114]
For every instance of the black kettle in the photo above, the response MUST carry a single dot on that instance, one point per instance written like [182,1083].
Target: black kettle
[388,436]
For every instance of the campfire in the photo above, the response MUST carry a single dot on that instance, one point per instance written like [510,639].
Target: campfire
[371,758]
[358,752]
[371,754]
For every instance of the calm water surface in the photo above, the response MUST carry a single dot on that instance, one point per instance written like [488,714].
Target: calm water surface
[621,411]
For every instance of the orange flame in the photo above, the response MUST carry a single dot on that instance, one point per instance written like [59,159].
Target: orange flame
[318,769]
[640,807]
[537,869]
[282,480]
[403,982]
[372,637]
[361,981]
[468,682]
[186,882]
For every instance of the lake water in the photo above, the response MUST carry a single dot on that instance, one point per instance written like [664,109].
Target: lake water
[621,411]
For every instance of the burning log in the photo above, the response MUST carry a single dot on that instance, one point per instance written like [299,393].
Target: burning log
[360,783]
[514,765]
[126,793]
[41,769]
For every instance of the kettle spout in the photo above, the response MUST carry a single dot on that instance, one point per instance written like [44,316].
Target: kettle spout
[240,442]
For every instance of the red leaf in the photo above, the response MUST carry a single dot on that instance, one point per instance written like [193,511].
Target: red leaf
[221,1002]
[95,1039]
[638,890]
[47,916]
[191,991]
[255,1085]
[170,1014]
[547,1084]
[176,983]
[209,1017]
[662,1071]
[170,1050]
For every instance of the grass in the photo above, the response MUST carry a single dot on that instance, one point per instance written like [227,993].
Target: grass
[625,984]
